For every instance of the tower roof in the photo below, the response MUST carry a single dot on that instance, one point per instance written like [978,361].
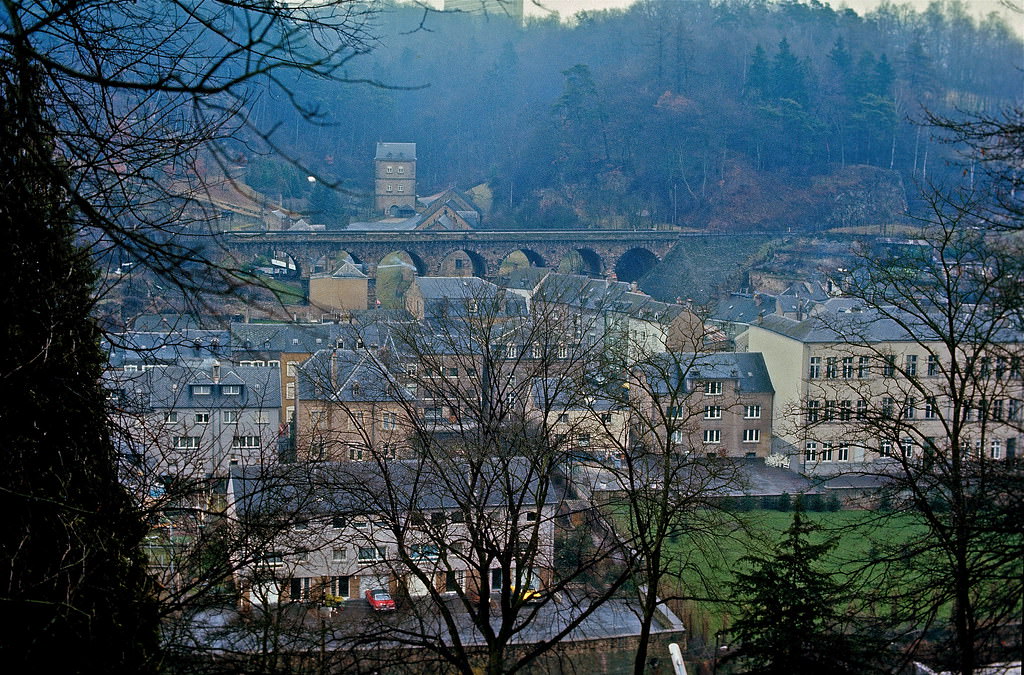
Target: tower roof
[403,152]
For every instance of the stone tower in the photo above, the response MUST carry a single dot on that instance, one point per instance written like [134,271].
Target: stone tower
[395,179]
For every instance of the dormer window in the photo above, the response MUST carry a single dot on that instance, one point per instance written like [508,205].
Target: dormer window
[231,389]
[200,390]
[390,169]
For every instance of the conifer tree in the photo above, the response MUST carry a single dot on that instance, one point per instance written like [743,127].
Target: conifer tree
[791,616]
[72,580]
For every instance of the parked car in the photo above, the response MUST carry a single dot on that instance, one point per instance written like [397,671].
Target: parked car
[380,600]
[526,594]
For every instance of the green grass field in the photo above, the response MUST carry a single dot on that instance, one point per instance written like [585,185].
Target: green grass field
[707,572]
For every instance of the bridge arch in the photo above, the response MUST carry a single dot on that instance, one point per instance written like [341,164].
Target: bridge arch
[582,260]
[635,263]
[462,262]
[521,257]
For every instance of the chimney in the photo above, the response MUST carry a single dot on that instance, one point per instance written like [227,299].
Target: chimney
[216,371]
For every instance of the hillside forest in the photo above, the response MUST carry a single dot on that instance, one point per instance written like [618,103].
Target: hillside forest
[724,115]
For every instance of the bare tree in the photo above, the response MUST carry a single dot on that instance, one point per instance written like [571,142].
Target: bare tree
[108,110]
[935,334]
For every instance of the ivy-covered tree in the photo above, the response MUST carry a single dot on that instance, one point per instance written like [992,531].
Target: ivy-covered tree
[791,611]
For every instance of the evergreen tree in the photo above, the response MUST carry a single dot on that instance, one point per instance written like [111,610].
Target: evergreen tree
[73,587]
[791,612]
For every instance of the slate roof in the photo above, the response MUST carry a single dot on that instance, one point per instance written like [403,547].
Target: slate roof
[329,488]
[306,337]
[166,347]
[345,375]
[601,295]
[748,368]
[402,152]
[172,387]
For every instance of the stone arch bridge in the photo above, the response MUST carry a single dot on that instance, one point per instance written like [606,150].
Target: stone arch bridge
[628,253]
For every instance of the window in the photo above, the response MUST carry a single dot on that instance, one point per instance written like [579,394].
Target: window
[931,410]
[889,366]
[239,442]
[300,525]
[909,409]
[887,407]
[712,412]
[339,586]
[401,188]
[451,372]
[372,553]
[274,364]
[274,559]
[200,390]
[170,418]
[885,448]
[677,436]
[339,554]
[831,367]
[810,451]
[289,391]
[389,188]
[847,367]
[300,588]
[389,169]
[752,412]
[674,411]
[535,350]
[933,365]
[262,417]
[231,389]
[202,418]
[826,452]
[844,453]
[751,435]
[907,446]
[813,411]
[289,368]
[338,522]
[863,367]
[996,450]
[389,420]
[186,442]
[814,370]
[423,552]
[712,435]
[510,351]
[1014,409]
[862,409]
[229,416]
[997,409]
[361,524]
[830,411]
[713,388]
[583,440]
[355,453]
[401,170]
[563,351]
[911,365]
[845,410]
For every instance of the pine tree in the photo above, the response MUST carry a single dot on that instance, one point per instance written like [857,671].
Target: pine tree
[791,618]
[72,581]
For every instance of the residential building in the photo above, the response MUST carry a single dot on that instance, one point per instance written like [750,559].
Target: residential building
[403,526]
[183,421]
[853,386]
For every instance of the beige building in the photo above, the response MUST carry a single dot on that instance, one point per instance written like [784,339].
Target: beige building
[852,387]
[341,291]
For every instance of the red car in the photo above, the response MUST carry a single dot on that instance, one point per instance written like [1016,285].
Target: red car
[380,600]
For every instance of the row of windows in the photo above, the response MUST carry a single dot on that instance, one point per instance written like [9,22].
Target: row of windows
[395,169]
[259,363]
[715,435]
[827,452]
[225,389]
[237,442]
[226,416]
[911,408]
[389,188]
[850,367]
